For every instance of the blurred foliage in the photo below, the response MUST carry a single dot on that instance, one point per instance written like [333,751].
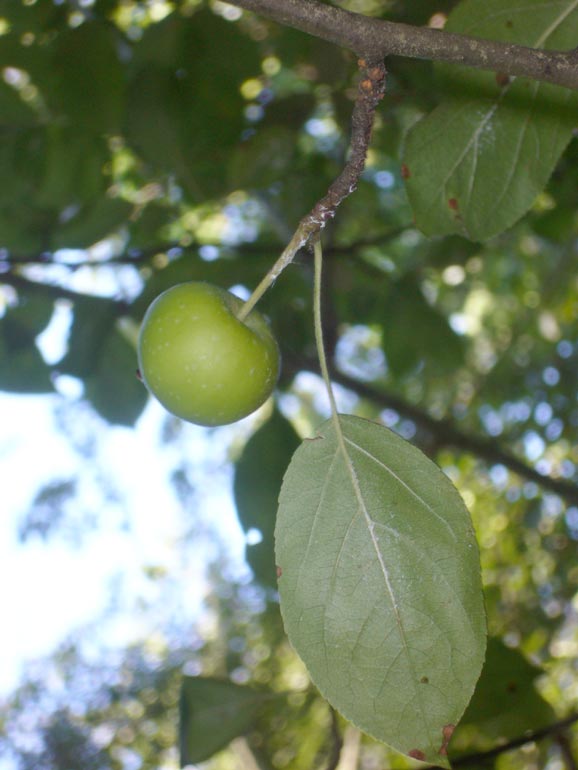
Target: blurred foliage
[142,144]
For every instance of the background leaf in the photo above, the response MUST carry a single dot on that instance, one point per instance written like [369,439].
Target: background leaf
[213,712]
[114,389]
[414,331]
[22,368]
[89,77]
[173,117]
[505,702]
[380,587]
[258,477]
[476,163]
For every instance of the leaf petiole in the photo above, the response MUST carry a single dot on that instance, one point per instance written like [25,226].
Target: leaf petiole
[318,255]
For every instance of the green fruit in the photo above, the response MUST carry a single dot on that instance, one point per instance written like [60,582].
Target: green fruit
[200,361]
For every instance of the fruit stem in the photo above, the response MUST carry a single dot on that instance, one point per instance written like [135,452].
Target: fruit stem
[297,241]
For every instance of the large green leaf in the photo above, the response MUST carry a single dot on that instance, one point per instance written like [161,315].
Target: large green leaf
[213,712]
[380,584]
[476,163]
[258,477]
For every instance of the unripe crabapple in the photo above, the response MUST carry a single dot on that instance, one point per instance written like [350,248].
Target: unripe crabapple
[200,361]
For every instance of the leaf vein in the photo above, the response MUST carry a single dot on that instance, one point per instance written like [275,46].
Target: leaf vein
[404,485]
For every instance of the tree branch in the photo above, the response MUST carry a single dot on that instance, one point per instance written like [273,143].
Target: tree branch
[444,432]
[566,752]
[336,743]
[478,759]
[375,39]
[370,91]
[54,291]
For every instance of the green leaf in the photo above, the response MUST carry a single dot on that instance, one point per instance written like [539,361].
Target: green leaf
[17,109]
[185,109]
[13,109]
[89,77]
[212,713]
[24,371]
[94,320]
[31,316]
[114,389]
[505,703]
[73,168]
[22,368]
[477,162]
[92,223]
[258,477]
[380,586]
[263,159]
[414,331]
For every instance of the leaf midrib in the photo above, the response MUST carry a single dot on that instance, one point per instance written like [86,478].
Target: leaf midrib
[370,527]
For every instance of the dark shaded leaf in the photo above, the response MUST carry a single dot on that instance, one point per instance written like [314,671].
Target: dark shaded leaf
[505,702]
[92,223]
[22,368]
[89,78]
[213,712]
[258,476]
[93,322]
[174,118]
[414,331]
[114,388]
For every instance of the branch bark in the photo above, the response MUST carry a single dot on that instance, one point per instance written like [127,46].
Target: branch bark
[370,91]
[479,759]
[375,39]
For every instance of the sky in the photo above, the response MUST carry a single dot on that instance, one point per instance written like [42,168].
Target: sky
[56,585]
[52,587]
